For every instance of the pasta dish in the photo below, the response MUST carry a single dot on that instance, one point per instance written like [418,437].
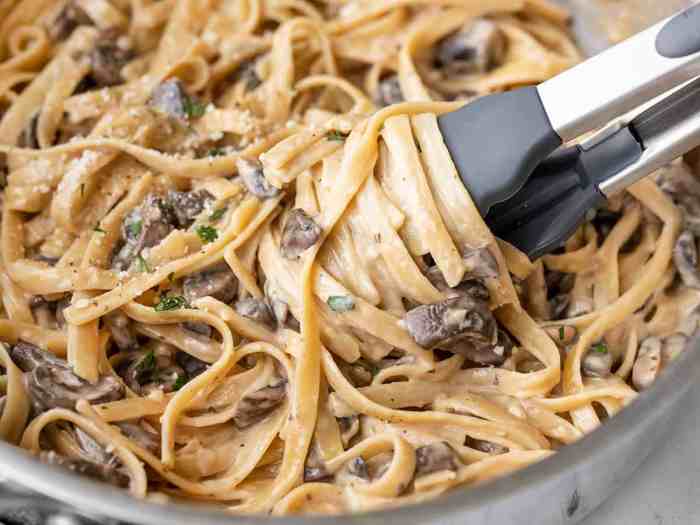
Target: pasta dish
[239,266]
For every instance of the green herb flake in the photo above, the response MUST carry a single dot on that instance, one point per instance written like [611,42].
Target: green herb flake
[97,229]
[147,362]
[170,302]
[194,108]
[217,214]
[600,348]
[561,333]
[341,303]
[179,382]
[135,228]
[142,264]
[336,135]
[216,152]
[207,233]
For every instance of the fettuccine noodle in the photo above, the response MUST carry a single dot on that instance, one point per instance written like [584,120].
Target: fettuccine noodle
[238,265]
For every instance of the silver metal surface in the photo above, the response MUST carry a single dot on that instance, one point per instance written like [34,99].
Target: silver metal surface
[561,490]
[659,151]
[612,83]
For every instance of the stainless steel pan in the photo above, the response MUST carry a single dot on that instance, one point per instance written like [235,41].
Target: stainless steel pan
[560,490]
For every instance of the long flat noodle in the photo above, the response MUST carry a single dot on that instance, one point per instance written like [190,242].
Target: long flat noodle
[140,202]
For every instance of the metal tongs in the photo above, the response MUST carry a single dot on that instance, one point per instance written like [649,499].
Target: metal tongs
[534,193]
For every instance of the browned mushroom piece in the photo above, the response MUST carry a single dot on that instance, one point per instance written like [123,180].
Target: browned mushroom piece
[171,98]
[685,257]
[51,382]
[485,446]
[358,467]
[485,353]
[190,364]
[143,436]
[558,306]
[476,48]
[247,73]
[187,205]
[111,53]
[314,469]
[144,227]
[255,406]
[458,318]
[480,264]
[154,369]
[122,330]
[648,363]
[359,373]
[436,457]
[300,233]
[60,307]
[471,285]
[108,473]
[256,310]
[217,281]
[253,178]
[389,92]
[349,427]
[69,18]
[673,346]
[28,138]
[597,362]
[43,312]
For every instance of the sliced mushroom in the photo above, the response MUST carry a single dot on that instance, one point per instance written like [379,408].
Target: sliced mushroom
[108,473]
[558,305]
[316,474]
[457,318]
[60,307]
[144,227]
[256,310]
[597,362]
[253,177]
[170,97]
[480,264]
[121,329]
[217,281]
[154,369]
[435,457]
[299,234]
[559,282]
[685,257]
[29,138]
[144,437]
[248,74]
[111,53]
[70,17]
[44,314]
[648,364]
[477,48]
[91,449]
[358,467]
[255,406]
[190,364]
[359,373]
[472,286]
[673,346]
[389,92]
[485,446]
[51,382]
[349,427]
[188,205]
[485,353]
[198,328]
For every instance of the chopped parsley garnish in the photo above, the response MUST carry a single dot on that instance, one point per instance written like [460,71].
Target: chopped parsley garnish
[207,233]
[135,228]
[147,362]
[341,303]
[194,108]
[97,229]
[170,302]
[216,152]
[142,264]
[561,333]
[336,135]
[217,214]
[600,348]
[179,383]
